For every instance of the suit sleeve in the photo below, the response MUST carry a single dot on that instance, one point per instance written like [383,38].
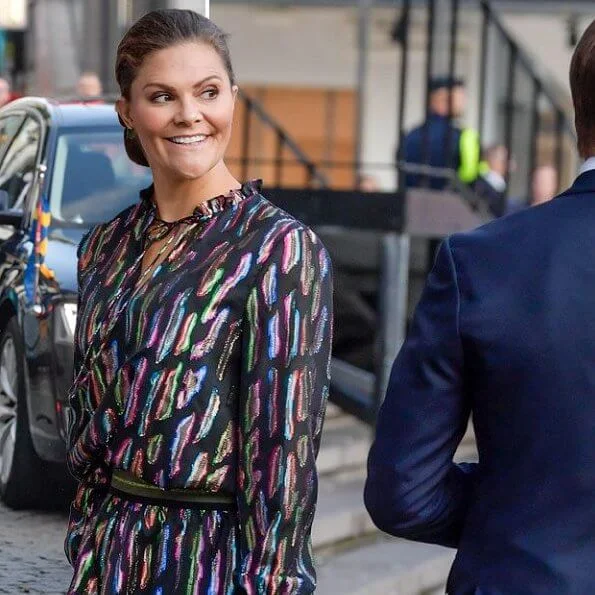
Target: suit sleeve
[413,489]
[284,388]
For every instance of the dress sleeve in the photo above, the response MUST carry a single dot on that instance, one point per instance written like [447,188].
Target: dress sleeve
[83,504]
[76,418]
[77,342]
[284,388]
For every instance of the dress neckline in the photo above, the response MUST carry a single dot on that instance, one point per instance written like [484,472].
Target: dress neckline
[210,207]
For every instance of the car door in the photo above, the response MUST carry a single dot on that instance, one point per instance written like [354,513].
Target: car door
[18,170]
[11,239]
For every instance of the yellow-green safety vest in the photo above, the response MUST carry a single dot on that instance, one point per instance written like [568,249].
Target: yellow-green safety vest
[470,163]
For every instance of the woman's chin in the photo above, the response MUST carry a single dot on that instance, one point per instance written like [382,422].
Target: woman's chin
[189,172]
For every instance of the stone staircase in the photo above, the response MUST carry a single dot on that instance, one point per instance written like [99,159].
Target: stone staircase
[353,557]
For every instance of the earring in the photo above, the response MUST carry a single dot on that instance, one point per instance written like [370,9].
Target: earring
[129,132]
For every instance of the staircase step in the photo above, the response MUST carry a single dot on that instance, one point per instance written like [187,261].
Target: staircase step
[345,444]
[341,518]
[389,566]
[340,512]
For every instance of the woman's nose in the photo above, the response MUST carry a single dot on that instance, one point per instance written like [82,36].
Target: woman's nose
[189,112]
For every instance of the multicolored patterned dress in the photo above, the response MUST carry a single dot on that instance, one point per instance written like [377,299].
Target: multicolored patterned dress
[213,376]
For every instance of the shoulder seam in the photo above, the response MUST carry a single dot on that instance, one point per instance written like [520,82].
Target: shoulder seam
[456,280]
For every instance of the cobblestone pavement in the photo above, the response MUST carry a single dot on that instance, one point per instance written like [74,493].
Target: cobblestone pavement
[31,552]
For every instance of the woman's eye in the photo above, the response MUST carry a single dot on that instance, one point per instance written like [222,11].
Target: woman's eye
[211,93]
[161,98]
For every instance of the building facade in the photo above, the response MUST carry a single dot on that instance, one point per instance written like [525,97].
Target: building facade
[304,62]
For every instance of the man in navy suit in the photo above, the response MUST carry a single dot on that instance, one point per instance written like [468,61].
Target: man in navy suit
[505,331]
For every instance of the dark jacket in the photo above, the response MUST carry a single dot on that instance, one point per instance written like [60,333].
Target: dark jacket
[441,134]
[494,199]
[505,330]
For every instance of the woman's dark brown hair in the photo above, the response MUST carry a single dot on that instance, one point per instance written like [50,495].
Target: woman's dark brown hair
[582,85]
[158,30]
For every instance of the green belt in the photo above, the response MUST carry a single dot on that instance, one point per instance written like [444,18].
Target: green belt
[126,485]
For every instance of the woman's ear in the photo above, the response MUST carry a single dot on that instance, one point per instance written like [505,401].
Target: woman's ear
[123,110]
[234,92]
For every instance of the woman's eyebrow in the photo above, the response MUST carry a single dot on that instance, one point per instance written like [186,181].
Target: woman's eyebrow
[170,88]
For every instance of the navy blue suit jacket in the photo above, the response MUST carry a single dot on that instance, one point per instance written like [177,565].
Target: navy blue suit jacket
[505,331]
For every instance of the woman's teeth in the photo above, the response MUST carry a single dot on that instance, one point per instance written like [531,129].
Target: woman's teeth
[188,140]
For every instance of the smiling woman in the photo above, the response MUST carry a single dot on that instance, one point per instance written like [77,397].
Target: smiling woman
[181,111]
[202,350]
[177,106]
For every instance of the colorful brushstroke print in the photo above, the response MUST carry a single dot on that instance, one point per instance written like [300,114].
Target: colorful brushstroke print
[211,376]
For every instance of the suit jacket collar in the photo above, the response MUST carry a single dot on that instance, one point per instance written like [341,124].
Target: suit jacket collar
[587,165]
[585,183]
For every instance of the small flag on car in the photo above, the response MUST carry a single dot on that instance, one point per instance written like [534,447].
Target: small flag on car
[36,265]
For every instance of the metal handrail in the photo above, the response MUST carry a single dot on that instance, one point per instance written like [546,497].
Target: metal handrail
[283,140]
[518,63]
[518,58]
[254,107]
[527,63]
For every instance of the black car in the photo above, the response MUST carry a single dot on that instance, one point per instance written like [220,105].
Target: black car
[71,159]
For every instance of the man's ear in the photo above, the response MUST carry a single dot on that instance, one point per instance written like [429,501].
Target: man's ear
[123,109]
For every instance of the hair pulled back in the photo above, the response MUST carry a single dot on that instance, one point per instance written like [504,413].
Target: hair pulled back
[158,30]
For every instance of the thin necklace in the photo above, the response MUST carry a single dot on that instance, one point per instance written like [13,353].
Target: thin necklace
[158,229]
[158,256]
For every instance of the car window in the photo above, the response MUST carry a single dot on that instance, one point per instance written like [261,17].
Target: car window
[93,179]
[9,126]
[18,165]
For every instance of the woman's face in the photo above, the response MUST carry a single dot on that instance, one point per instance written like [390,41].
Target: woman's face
[181,108]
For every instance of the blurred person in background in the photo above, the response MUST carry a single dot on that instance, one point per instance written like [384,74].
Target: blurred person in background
[504,332]
[89,85]
[202,350]
[368,183]
[440,141]
[491,183]
[544,184]
[4,91]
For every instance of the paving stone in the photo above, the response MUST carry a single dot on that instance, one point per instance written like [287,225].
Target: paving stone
[32,557]
[388,566]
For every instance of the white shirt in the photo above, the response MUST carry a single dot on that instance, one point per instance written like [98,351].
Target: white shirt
[495,180]
[588,165]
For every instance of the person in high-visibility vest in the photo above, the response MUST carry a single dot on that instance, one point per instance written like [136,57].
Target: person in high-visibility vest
[439,142]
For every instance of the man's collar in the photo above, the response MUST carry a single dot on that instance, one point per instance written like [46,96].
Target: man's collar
[585,182]
[588,165]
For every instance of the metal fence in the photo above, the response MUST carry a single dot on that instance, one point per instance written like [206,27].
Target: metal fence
[516,107]
[513,104]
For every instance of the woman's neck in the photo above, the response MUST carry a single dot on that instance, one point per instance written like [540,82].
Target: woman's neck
[176,199]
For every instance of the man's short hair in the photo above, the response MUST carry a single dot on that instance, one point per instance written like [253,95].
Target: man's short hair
[582,85]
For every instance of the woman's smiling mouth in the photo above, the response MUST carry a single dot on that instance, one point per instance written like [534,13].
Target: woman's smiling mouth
[188,140]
